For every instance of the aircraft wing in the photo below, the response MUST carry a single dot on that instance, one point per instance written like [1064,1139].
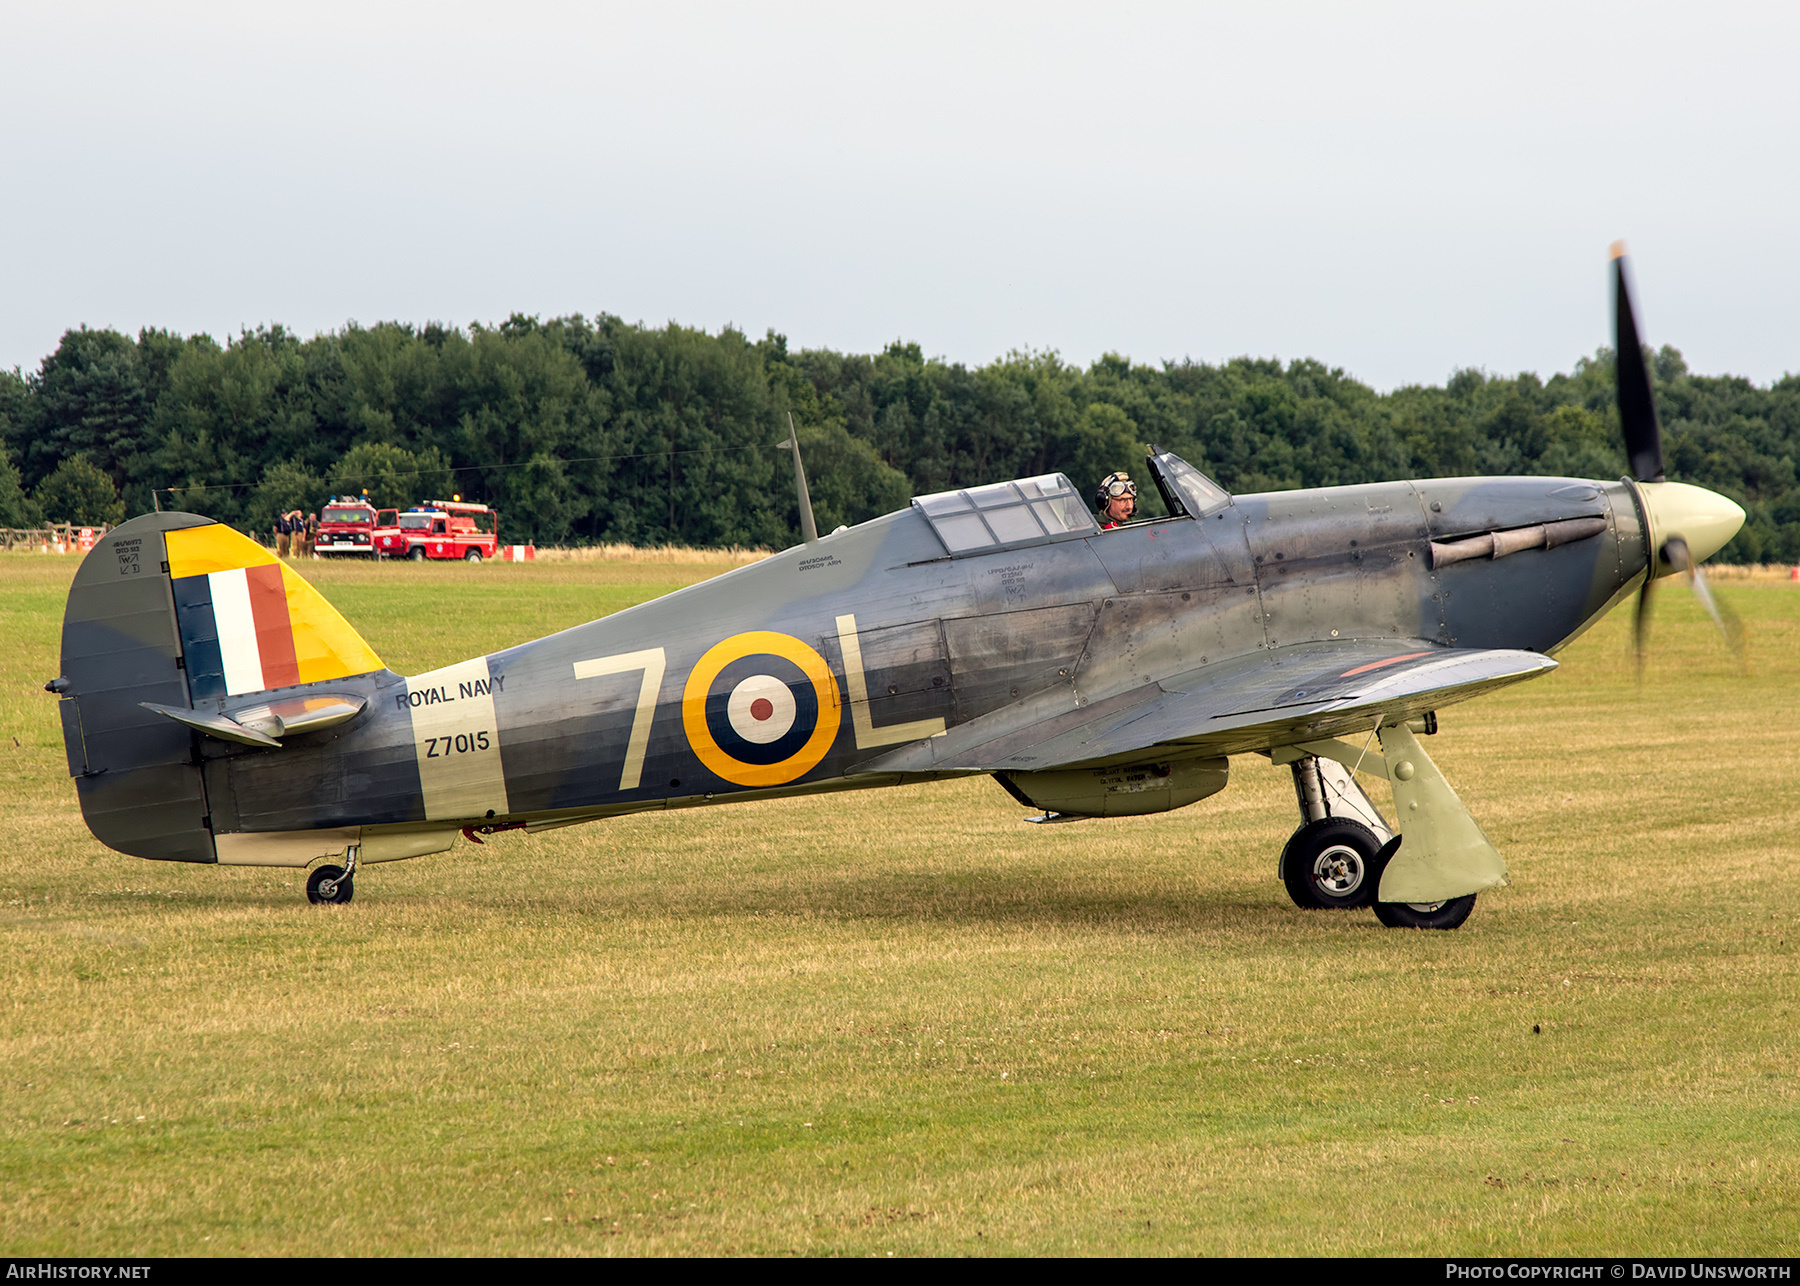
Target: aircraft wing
[1274,698]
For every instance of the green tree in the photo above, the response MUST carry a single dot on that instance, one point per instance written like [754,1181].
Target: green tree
[585,429]
[846,479]
[229,416]
[1580,444]
[16,508]
[91,401]
[1102,441]
[691,426]
[18,408]
[393,477]
[289,485]
[528,427]
[79,493]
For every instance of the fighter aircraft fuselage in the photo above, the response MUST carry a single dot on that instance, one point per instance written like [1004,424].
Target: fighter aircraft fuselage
[633,711]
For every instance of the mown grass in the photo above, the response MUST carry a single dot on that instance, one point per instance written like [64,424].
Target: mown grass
[901,1021]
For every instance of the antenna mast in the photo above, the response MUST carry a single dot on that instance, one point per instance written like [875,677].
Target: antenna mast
[808,528]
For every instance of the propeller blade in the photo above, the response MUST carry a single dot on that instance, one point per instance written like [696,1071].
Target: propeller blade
[1637,407]
[1640,632]
[1726,619]
[1677,555]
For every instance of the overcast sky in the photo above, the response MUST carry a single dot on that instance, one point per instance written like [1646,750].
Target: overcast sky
[1397,189]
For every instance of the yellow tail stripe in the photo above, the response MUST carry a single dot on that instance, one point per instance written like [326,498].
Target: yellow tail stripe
[325,644]
[196,551]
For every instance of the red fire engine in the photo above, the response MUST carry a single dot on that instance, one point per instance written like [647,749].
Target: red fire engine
[440,529]
[347,526]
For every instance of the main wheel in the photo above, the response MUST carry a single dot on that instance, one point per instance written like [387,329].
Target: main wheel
[1331,864]
[329,884]
[1448,914]
[417,554]
[473,556]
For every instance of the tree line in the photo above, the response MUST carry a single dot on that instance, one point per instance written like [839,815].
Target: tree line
[582,430]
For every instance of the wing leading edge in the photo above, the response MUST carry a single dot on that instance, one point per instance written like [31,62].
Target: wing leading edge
[1257,702]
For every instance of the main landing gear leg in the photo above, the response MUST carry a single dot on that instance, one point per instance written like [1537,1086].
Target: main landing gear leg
[1334,860]
[334,884]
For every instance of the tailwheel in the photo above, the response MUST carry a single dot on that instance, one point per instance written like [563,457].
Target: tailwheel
[1331,864]
[329,884]
[334,884]
[1448,914]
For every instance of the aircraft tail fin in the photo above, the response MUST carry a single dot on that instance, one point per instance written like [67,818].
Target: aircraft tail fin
[178,611]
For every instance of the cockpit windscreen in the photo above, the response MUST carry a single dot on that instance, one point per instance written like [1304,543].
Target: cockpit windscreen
[1184,488]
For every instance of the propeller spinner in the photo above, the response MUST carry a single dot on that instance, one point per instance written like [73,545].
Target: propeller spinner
[1685,524]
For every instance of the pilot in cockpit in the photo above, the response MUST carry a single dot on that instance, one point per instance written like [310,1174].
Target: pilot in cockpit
[1116,499]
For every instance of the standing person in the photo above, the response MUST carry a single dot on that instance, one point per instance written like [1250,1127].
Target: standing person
[312,534]
[283,533]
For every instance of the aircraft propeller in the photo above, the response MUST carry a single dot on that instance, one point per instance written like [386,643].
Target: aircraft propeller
[1676,511]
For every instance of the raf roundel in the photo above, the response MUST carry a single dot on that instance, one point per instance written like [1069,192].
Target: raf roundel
[760,709]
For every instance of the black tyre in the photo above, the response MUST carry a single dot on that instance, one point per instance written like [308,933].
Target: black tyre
[329,884]
[1331,864]
[473,556]
[1448,914]
[417,554]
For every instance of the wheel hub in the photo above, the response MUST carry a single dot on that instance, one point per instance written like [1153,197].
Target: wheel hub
[1339,870]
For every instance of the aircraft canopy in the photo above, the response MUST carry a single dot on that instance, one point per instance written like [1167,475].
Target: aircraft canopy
[1003,515]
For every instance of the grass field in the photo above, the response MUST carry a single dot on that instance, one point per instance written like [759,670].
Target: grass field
[902,1022]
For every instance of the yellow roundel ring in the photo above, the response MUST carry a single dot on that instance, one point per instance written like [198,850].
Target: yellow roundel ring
[760,643]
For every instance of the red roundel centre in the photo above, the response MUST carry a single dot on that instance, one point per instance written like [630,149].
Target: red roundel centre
[762,709]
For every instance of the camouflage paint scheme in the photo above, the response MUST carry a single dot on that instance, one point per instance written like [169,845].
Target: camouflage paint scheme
[1280,619]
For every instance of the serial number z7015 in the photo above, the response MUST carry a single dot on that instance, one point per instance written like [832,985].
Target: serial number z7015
[461,744]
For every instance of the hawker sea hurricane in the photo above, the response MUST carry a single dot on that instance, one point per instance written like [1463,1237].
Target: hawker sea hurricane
[217,709]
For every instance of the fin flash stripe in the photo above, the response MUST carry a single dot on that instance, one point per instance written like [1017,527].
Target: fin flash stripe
[256,639]
[273,629]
